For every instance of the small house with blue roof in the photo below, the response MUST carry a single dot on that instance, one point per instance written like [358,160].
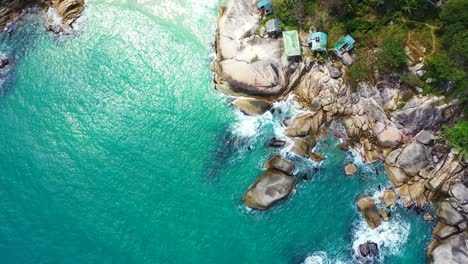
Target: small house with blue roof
[317,41]
[273,28]
[265,6]
[344,45]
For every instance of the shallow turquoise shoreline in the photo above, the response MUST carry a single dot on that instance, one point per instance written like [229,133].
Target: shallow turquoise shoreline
[116,149]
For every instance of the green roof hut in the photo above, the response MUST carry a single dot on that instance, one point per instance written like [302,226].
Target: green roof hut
[344,45]
[273,28]
[317,41]
[292,47]
[265,6]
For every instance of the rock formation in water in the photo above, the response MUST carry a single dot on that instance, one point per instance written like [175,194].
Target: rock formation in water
[418,164]
[61,14]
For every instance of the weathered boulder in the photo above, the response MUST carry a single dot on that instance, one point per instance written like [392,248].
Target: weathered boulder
[369,210]
[384,214]
[280,163]
[396,175]
[252,107]
[272,186]
[460,192]
[276,143]
[369,249]
[248,64]
[350,169]
[453,250]
[389,198]
[417,112]
[425,137]
[448,214]
[62,14]
[443,231]
[316,156]
[413,158]
[303,146]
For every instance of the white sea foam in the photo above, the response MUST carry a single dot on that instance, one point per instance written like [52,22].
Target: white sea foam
[389,236]
[321,257]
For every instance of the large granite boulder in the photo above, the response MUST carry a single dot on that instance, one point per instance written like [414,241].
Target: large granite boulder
[422,113]
[453,250]
[443,231]
[448,214]
[280,163]
[303,146]
[272,186]
[252,107]
[389,198]
[246,63]
[369,210]
[413,158]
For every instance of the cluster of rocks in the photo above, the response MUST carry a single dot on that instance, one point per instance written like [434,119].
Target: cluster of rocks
[247,64]
[273,185]
[378,120]
[61,14]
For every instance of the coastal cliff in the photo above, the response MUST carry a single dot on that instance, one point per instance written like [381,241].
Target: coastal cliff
[378,120]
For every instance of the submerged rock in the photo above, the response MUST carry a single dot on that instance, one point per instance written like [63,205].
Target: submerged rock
[369,210]
[350,169]
[4,62]
[252,107]
[272,186]
[280,163]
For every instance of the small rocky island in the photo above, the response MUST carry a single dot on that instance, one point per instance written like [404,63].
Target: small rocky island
[380,117]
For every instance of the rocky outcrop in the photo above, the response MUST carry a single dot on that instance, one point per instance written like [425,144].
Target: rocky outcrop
[369,211]
[11,10]
[453,250]
[62,14]
[279,162]
[252,107]
[247,63]
[423,113]
[272,186]
[350,169]
[369,250]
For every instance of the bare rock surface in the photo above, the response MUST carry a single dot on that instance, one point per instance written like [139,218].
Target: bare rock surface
[272,186]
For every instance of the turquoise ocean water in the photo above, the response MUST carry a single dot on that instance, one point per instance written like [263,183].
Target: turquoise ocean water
[114,148]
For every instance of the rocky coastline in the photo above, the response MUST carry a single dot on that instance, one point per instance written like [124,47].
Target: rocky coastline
[60,14]
[404,133]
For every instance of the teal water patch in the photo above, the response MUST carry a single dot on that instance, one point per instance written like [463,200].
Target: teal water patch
[115,149]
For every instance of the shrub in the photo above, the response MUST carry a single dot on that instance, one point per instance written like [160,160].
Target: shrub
[392,56]
[358,72]
[457,136]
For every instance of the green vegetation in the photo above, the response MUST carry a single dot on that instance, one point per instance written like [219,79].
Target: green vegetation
[358,72]
[392,57]
[457,136]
